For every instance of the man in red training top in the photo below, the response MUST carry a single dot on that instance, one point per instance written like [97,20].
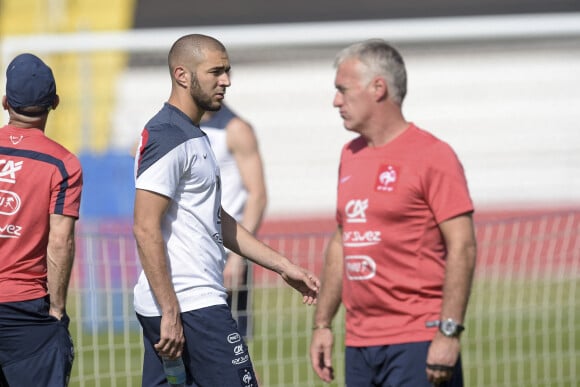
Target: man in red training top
[40,192]
[402,258]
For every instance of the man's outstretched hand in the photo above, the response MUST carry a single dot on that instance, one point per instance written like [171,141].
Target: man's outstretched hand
[303,281]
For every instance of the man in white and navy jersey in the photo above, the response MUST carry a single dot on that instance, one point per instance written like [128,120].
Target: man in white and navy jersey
[181,230]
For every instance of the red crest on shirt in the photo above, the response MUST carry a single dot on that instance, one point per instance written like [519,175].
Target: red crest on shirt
[387,177]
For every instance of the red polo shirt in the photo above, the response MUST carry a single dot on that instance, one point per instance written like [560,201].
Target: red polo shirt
[390,202]
[38,177]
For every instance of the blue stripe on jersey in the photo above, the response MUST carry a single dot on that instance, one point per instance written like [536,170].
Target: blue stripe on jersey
[166,130]
[59,164]
[220,119]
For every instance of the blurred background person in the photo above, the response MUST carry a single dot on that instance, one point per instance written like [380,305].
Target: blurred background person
[244,197]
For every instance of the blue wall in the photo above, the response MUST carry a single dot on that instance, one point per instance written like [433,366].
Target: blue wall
[109,188]
[106,217]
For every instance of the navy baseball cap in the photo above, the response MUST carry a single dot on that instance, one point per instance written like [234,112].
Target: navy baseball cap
[30,83]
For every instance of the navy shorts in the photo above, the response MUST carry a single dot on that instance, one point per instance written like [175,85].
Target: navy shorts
[35,348]
[215,353]
[393,365]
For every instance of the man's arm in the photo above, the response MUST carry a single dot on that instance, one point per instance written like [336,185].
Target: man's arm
[243,144]
[60,252]
[242,242]
[326,308]
[459,236]
[149,210]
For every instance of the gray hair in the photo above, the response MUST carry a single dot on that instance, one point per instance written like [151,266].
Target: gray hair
[378,59]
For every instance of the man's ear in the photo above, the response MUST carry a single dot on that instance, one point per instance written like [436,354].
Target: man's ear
[56,102]
[380,88]
[4,102]
[181,75]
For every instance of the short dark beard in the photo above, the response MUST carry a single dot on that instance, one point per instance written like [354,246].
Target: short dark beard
[201,99]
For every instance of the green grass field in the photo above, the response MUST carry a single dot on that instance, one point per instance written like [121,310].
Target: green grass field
[519,333]
[523,333]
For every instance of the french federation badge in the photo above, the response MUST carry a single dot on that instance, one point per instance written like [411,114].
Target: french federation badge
[387,176]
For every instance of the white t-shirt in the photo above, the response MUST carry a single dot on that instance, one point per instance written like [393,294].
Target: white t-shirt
[175,160]
[234,193]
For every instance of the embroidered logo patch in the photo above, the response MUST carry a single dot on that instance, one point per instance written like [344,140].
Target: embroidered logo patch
[387,177]
[247,377]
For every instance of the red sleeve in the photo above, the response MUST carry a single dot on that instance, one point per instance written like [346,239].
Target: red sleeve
[65,198]
[446,186]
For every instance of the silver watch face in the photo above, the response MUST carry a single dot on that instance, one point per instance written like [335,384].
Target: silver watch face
[450,328]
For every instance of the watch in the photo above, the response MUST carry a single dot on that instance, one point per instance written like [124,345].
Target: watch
[450,328]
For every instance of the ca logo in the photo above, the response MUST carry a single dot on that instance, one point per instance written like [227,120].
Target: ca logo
[355,210]
[9,169]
